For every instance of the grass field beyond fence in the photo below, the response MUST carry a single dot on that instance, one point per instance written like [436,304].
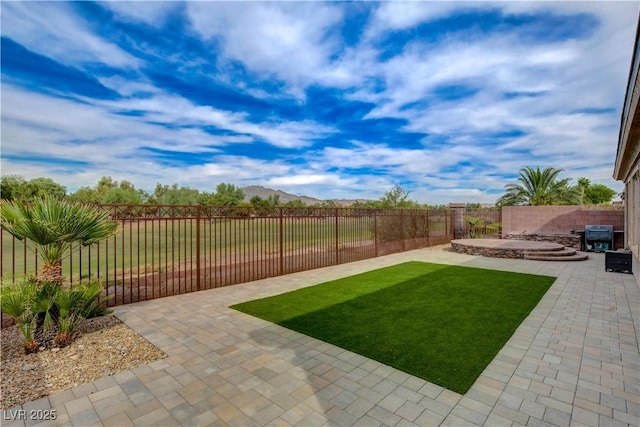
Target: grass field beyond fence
[168,250]
[160,244]
[438,322]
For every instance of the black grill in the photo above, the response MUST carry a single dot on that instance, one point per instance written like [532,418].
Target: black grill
[598,238]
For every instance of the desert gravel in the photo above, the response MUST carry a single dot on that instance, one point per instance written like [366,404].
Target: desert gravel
[103,347]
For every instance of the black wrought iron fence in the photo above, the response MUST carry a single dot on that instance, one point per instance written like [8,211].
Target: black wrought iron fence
[168,250]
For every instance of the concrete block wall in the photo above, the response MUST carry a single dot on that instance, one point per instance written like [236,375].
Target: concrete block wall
[556,219]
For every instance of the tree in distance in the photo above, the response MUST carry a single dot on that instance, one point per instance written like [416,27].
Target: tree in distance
[537,187]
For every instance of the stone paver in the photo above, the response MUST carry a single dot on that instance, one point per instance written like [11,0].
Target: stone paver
[574,361]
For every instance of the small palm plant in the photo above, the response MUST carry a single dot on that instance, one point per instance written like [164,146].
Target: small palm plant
[473,223]
[54,226]
[42,305]
[17,302]
[66,327]
[38,307]
[27,326]
[68,302]
[93,303]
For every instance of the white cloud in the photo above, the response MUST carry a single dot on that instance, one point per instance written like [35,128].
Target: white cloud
[127,87]
[63,127]
[502,62]
[52,30]
[307,179]
[113,144]
[172,109]
[152,13]
[406,14]
[238,170]
[379,157]
[492,66]
[293,42]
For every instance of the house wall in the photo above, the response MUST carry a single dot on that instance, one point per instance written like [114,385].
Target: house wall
[632,218]
[627,164]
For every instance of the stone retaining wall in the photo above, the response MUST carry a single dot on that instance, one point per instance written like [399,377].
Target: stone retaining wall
[568,240]
[488,252]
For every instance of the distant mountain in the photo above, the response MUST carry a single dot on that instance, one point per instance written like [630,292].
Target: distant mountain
[258,190]
[263,192]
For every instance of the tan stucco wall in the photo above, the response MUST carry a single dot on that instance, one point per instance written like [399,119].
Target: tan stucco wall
[556,219]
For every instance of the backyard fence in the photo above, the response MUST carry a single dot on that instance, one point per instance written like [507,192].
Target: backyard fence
[168,250]
[475,223]
[483,222]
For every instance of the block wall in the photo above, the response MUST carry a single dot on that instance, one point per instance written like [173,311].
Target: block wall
[556,219]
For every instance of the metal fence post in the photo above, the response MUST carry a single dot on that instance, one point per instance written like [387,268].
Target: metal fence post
[281,240]
[337,237]
[198,261]
[428,229]
[375,231]
[447,219]
[403,236]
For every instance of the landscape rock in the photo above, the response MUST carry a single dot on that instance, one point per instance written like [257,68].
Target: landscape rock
[104,346]
[29,366]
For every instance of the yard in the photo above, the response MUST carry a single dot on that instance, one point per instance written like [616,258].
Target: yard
[438,322]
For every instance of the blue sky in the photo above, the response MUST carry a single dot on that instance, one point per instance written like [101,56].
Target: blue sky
[325,99]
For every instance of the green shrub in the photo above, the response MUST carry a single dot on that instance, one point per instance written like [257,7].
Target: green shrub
[27,326]
[93,304]
[69,303]
[17,300]
[42,305]
[493,228]
[474,224]
[35,305]
[66,328]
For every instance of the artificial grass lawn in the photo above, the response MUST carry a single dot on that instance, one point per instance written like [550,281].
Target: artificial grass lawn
[438,322]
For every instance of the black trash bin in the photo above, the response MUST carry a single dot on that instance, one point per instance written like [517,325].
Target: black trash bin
[618,261]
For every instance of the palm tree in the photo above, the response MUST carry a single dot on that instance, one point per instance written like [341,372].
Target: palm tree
[583,184]
[538,187]
[54,225]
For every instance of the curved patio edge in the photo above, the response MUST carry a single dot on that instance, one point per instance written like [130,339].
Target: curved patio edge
[504,248]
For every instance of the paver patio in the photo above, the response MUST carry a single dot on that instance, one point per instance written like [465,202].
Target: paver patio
[574,361]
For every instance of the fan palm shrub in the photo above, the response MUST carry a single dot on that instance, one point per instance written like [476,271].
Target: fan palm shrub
[17,301]
[27,326]
[42,305]
[473,224]
[54,226]
[68,302]
[537,187]
[37,306]
[92,301]
[66,328]
[16,298]
[74,304]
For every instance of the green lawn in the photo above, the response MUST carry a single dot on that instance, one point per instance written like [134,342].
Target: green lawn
[438,322]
